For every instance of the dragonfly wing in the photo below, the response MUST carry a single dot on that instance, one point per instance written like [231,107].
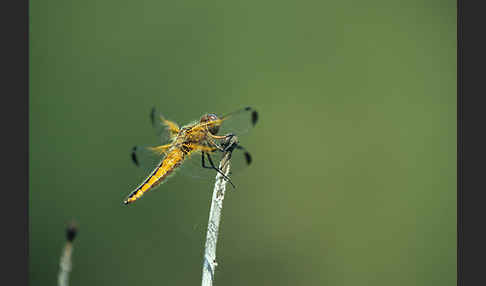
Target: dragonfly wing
[193,165]
[165,129]
[193,168]
[241,159]
[239,121]
[148,157]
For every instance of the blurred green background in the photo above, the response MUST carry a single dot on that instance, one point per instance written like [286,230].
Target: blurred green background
[354,174]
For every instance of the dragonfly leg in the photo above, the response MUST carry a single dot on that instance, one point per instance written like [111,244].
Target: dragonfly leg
[202,161]
[214,167]
[228,143]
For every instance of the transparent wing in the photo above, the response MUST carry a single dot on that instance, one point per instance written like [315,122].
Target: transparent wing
[241,159]
[193,166]
[148,157]
[165,129]
[239,121]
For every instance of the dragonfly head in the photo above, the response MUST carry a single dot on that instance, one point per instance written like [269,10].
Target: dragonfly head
[213,128]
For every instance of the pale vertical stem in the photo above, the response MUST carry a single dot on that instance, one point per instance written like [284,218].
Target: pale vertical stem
[209,263]
[65,265]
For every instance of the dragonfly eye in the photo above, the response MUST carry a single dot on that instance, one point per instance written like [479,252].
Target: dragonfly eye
[208,118]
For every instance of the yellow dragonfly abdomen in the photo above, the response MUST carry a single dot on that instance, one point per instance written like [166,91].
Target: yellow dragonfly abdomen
[166,167]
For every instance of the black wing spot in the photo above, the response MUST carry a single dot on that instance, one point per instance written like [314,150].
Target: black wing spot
[254,117]
[247,108]
[248,158]
[152,116]
[134,156]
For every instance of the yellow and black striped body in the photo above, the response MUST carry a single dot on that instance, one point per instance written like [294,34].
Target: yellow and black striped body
[172,160]
[187,141]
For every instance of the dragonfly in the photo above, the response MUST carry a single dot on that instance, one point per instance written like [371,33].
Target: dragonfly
[192,146]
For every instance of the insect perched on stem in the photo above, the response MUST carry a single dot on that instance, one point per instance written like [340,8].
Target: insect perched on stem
[199,139]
